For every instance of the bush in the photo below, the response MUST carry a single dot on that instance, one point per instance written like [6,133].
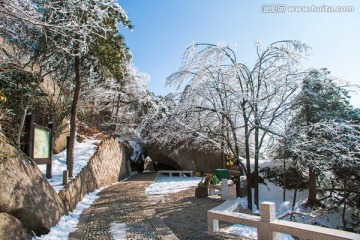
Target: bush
[292,174]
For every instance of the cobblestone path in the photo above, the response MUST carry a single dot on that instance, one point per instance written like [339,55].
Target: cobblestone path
[146,217]
[123,202]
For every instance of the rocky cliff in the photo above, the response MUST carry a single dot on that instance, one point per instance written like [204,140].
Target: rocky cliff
[185,159]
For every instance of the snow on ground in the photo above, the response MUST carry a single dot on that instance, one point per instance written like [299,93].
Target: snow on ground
[69,222]
[270,193]
[165,185]
[83,152]
[118,230]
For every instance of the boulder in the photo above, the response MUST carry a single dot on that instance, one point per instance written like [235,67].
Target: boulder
[184,158]
[25,192]
[11,228]
[60,142]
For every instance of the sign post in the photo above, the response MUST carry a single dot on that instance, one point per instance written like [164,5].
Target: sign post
[235,173]
[38,140]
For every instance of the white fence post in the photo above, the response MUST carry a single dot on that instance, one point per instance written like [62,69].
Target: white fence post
[224,189]
[267,214]
[213,225]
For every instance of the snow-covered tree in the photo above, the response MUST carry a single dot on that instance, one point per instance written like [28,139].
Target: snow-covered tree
[226,101]
[332,153]
[116,106]
[322,105]
[61,32]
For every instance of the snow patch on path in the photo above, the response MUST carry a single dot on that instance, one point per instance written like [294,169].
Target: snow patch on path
[118,230]
[166,185]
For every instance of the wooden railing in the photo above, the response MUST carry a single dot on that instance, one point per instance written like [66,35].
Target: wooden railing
[268,227]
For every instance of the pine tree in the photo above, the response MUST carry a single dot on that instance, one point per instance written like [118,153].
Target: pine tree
[321,99]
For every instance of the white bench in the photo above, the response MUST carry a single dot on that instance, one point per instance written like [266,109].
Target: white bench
[226,187]
[171,172]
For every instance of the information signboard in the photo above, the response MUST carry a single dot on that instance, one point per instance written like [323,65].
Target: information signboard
[235,171]
[41,143]
[38,143]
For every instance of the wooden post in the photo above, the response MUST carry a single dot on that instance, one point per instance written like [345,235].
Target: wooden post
[49,165]
[65,177]
[267,214]
[29,135]
[67,149]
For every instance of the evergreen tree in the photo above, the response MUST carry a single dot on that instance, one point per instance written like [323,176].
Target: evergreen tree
[321,101]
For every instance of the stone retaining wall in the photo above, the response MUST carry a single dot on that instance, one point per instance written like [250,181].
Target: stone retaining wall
[106,166]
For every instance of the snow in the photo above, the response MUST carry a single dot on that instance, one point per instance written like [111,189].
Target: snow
[137,150]
[273,193]
[136,146]
[118,230]
[250,232]
[68,223]
[82,153]
[165,185]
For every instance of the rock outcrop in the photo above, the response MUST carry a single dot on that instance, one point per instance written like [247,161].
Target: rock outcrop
[25,193]
[60,142]
[11,228]
[185,159]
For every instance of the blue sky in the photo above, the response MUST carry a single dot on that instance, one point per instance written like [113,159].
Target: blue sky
[164,28]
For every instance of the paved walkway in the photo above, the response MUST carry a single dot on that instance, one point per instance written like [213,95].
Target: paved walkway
[156,217]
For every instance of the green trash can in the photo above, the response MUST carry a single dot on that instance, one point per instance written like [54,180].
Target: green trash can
[221,174]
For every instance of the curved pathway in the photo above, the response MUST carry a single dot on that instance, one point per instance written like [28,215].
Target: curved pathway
[145,216]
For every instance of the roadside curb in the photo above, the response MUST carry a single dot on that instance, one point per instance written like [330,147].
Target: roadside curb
[161,228]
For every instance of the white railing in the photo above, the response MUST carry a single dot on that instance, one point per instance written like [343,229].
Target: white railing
[171,172]
[268,227]
[226,187]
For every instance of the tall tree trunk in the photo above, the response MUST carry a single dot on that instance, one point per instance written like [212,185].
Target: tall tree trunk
[23,115]
[284,177]
[93,112]
[312,187]
[312,174]
[294,198]
[247,155]
[344,209]
[21,126]
[223,159]
[256,166]
[117,109]
[73,117]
